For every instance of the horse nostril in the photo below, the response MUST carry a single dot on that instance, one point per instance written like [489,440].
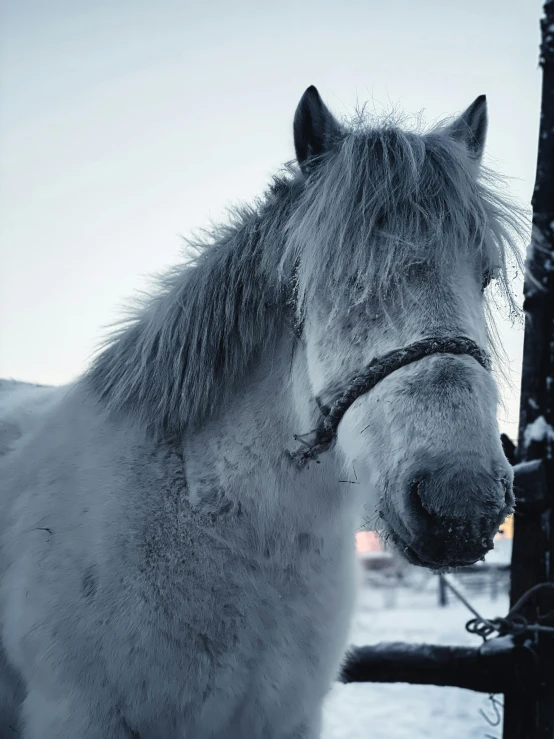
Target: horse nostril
[416,500]
[414,487]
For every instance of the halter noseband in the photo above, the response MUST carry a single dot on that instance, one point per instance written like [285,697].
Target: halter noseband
[324,435]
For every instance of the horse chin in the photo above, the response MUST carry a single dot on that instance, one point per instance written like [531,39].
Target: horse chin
[414,558]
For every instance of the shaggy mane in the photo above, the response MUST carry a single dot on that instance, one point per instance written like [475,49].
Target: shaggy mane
[382,202]
[172,361]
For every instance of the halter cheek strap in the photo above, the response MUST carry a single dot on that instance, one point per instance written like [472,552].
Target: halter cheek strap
[323,437]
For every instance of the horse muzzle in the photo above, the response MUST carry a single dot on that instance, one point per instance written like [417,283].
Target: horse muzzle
[448,525]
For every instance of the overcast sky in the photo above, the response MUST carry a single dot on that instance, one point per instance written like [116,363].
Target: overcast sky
[126,124]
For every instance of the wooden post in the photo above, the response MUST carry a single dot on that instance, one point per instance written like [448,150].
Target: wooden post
[443,592]
[531,715]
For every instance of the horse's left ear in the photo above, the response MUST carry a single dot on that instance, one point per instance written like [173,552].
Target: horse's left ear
[315,129]
[471,127]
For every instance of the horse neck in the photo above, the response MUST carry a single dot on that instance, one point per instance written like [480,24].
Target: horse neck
[243,452]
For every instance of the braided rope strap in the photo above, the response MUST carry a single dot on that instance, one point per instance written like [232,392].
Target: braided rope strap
[322,438]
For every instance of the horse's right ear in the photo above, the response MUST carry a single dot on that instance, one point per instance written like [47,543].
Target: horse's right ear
[315,129]
[471,127]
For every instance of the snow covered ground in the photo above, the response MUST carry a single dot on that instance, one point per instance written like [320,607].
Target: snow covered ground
[400,711]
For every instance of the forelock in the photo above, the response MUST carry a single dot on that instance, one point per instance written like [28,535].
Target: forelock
[386,199]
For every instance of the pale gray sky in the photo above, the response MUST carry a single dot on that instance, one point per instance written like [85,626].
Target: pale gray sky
[125,124]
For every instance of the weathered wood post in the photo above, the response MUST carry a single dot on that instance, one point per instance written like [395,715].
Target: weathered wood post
[530,714]
[443,592]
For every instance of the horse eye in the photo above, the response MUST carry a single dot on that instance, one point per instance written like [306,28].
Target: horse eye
[488,276]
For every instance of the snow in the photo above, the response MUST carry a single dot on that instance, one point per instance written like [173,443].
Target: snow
[538,431]
[401,711]
[502,644]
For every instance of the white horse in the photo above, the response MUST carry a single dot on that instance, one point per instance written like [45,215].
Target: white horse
[177,553]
